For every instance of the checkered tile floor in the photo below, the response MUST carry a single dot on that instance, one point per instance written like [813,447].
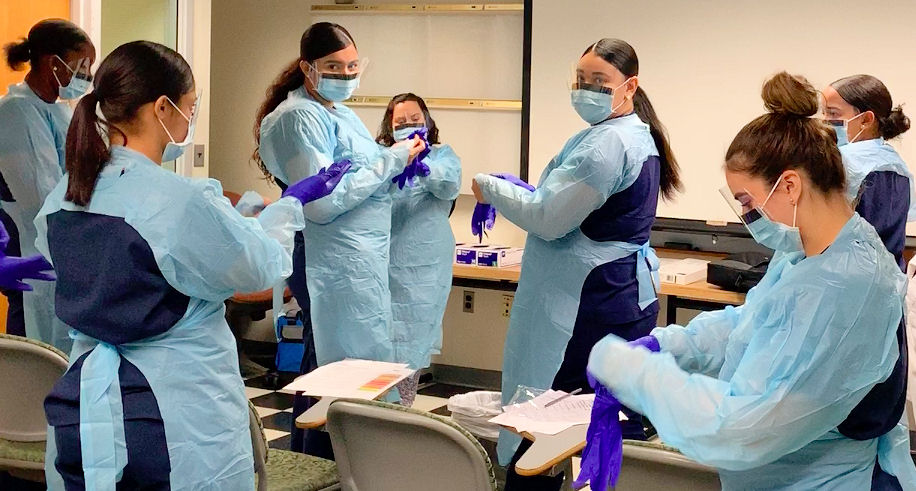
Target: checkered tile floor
[276,408]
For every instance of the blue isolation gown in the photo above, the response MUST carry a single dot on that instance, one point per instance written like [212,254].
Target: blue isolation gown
[153,396]
[32,144]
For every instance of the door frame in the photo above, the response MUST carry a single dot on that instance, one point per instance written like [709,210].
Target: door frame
[88,15]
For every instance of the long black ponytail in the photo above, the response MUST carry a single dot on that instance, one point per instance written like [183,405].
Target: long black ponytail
[620,54]
[318,41]
[133,74]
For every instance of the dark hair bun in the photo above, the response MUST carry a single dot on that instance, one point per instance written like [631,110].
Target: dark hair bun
[790,95]
[895,124]
[17,53]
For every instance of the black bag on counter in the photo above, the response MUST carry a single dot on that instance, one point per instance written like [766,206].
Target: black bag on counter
[738,272]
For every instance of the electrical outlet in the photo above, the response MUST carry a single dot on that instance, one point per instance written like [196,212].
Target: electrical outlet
[469,301]
[507,305]
[199,150]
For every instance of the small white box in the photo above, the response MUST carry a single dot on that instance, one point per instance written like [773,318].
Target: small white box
[682,271]
[467,253]
[499,256]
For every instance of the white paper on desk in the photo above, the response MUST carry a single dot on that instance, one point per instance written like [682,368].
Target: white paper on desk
[535,417]
[358,379]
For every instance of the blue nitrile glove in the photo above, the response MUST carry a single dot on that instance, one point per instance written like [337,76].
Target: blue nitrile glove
[319,185]
[484,217]
[15,269]
[514,180]
[649,342]
[603,452]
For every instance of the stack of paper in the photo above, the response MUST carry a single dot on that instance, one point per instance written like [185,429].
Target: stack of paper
[535,416]
[358,379]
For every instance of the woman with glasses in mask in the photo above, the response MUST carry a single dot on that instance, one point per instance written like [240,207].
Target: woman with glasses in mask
[144,260]
[878,182]
[302,127]
[422,242]
[803,386]
[588,268]
[35,119]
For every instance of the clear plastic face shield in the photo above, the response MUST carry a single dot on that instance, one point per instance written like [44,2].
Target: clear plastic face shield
[593,82]
[80,69]
[79,80]
[744,205]
[335,70]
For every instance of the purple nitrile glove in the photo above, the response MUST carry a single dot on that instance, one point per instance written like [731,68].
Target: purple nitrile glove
[422,169]
[15,269]
[319,185]
[649,342]
[423,133]
[603,452]
[483,218]
[514,180]
[405,177]
[416,167]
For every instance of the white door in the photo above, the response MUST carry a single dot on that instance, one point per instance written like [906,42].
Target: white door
[112,23]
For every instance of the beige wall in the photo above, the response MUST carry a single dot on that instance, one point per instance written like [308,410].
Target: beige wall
[251,42]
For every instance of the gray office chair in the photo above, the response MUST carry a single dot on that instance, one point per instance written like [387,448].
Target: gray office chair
[282,470]
[29,370]
[385,447]
[653,465]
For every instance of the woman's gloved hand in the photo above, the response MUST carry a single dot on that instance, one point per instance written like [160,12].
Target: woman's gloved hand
[15,269]
[603,452]
[514,180]
[649,342]
[319,185]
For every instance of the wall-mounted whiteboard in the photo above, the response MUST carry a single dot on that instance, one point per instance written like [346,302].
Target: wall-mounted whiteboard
[472,55]
[703,63]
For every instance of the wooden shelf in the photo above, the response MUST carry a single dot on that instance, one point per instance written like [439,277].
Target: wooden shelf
[427,8]
[441,103]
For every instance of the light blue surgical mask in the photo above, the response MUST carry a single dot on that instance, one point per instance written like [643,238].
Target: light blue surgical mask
[77,86]
[594,104]
[405,130]
[337,88]
[769,233]
[174,149]
[841,127]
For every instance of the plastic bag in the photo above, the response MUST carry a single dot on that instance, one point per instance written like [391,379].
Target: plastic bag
[474,410]
[524,394]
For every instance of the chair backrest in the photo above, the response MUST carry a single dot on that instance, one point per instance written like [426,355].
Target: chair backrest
[381,447]
[28,371]
[652,465]
[258,446]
